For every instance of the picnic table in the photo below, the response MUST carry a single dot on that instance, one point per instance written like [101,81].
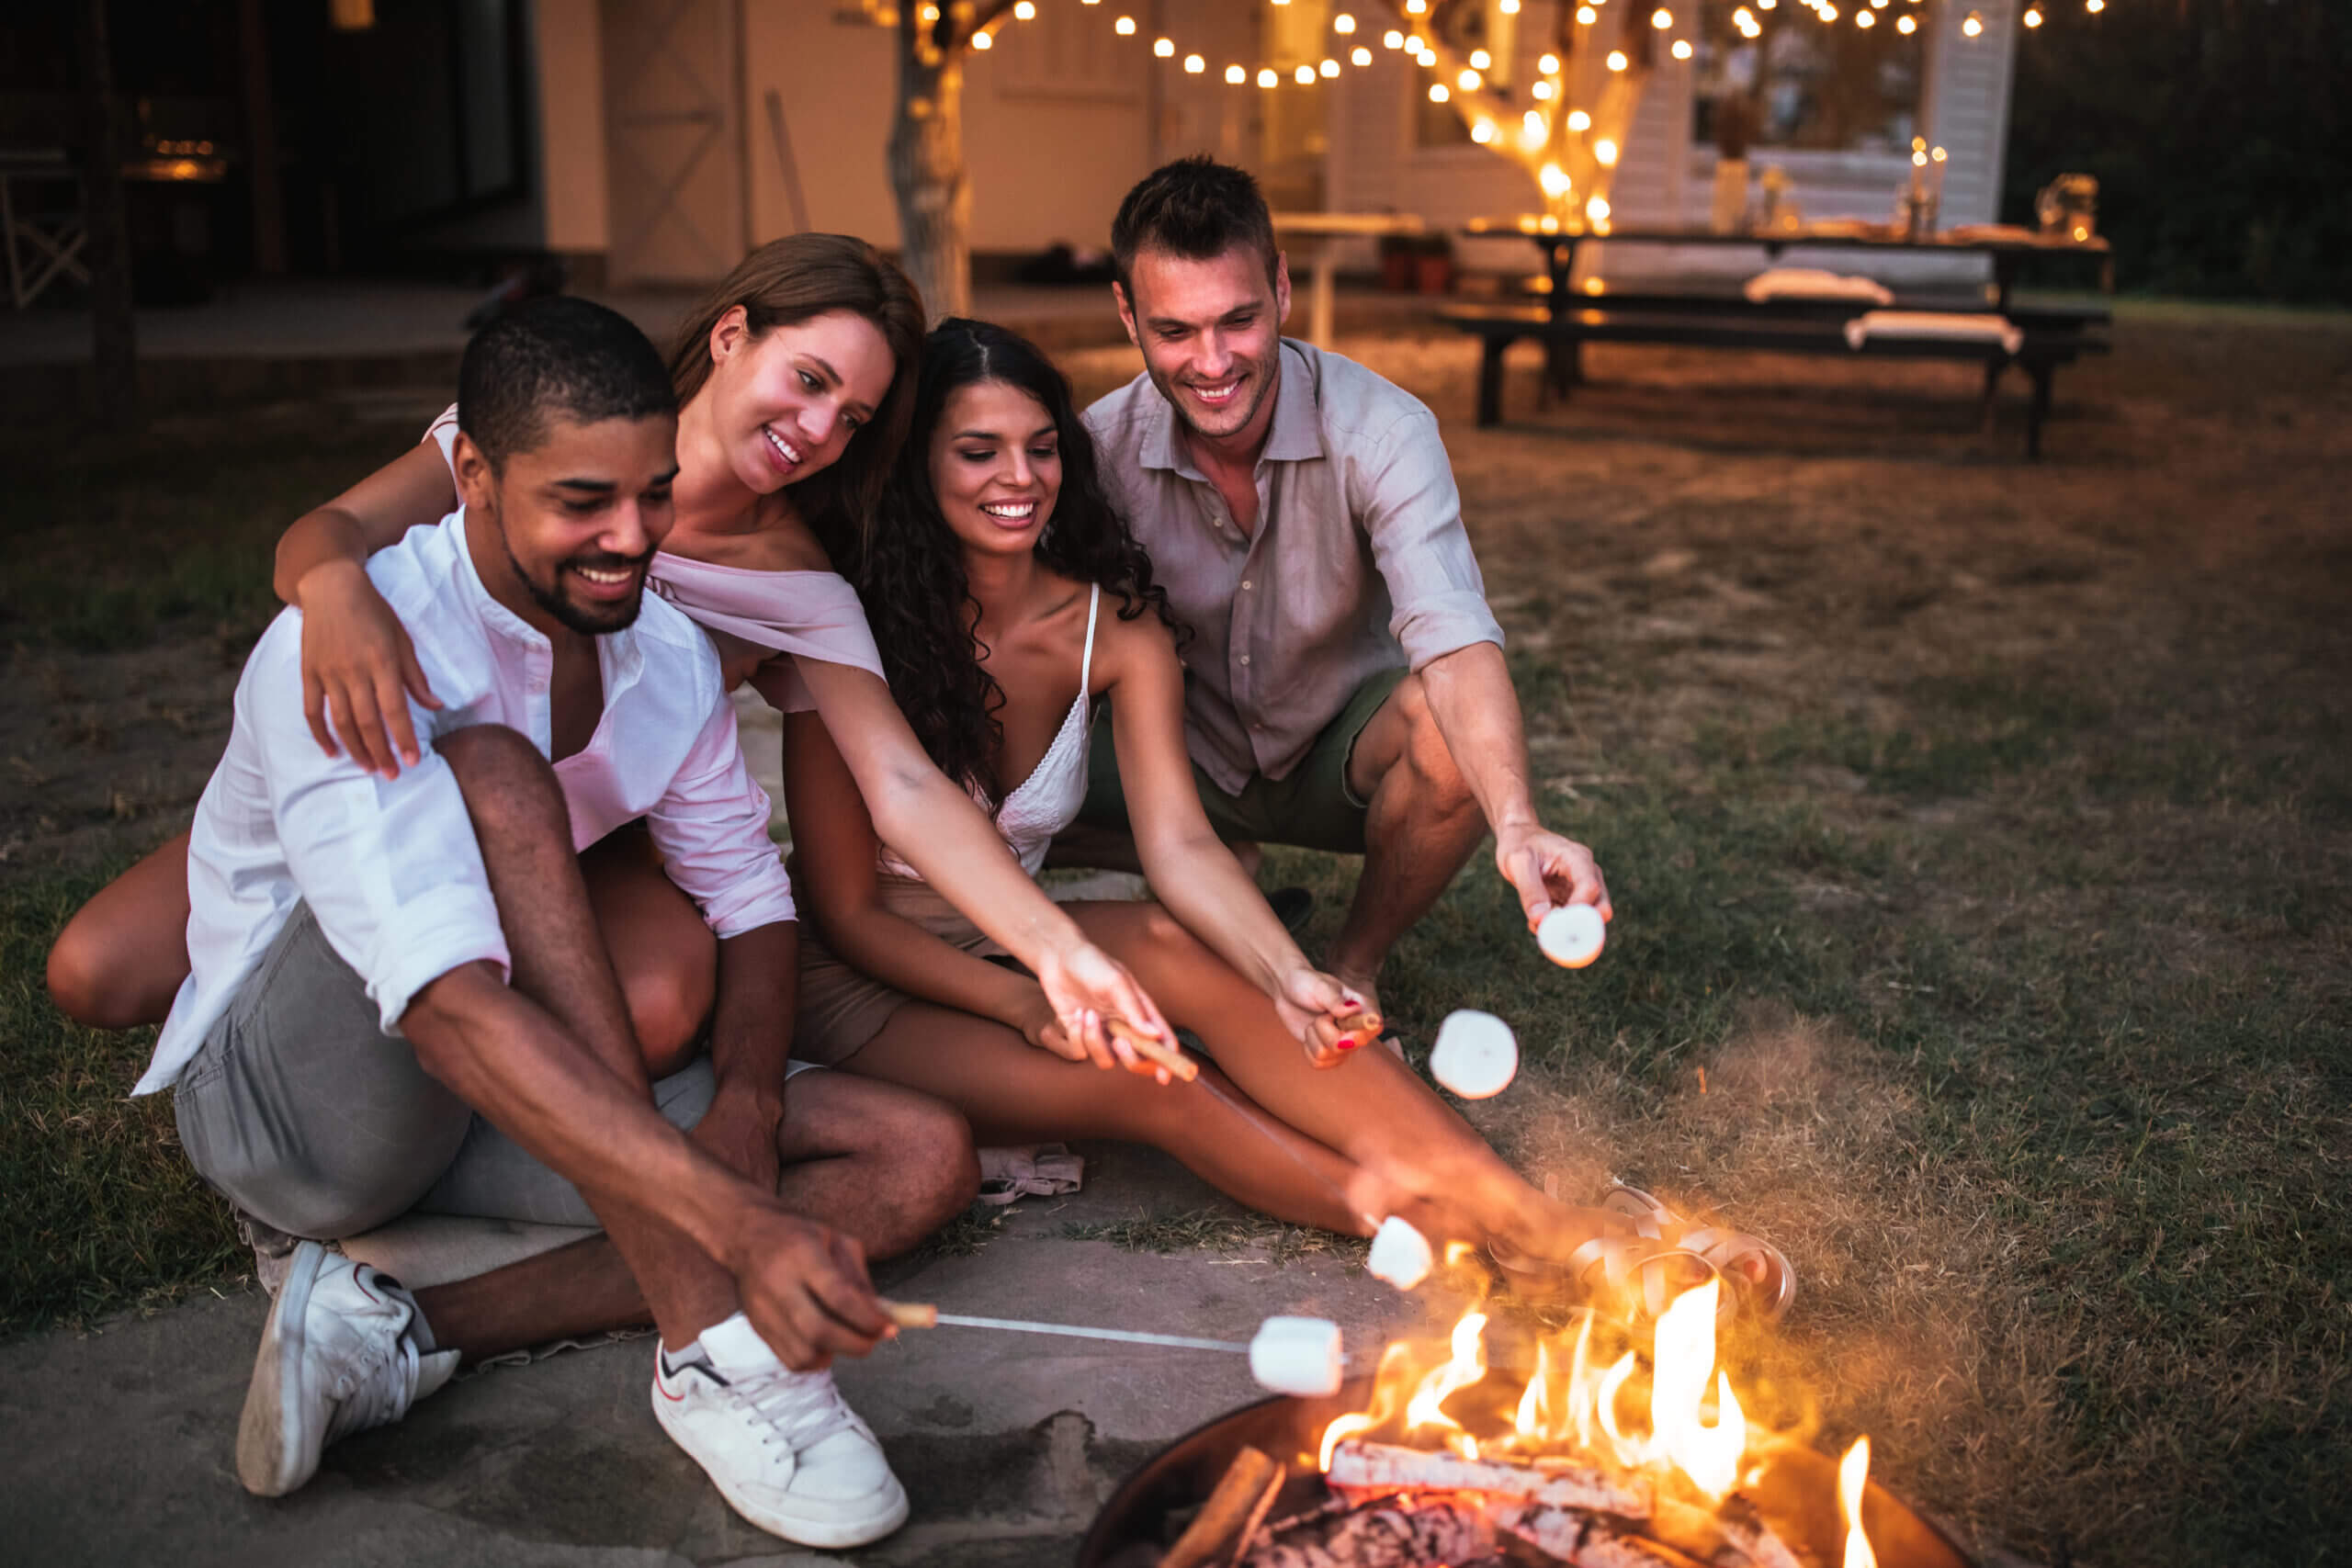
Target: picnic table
[1318,230]
[1980,326]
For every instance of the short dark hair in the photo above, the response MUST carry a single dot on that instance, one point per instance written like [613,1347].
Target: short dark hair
[1195,207]
[556,357]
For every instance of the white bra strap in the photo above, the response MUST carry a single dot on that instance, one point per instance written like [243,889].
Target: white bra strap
[1085,664]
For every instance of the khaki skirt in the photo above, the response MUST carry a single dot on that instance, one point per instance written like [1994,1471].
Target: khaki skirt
[841,1008]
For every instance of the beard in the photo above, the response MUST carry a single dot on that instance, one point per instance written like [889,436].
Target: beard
[588,620]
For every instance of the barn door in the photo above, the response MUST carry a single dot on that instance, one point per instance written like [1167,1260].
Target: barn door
[674,126]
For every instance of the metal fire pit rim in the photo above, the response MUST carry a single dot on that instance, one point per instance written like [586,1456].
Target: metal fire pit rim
[1094,1551]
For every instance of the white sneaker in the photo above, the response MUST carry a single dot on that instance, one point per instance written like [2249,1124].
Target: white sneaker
[781,1446]
[337,1357]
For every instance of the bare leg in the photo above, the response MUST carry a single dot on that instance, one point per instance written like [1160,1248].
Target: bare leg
[1016,1093]
[118,962]
[558,958]
[1371,1108]
[878,1162]
[1422,826]
[120,959]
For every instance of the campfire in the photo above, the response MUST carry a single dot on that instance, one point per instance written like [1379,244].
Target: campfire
[1594,1451]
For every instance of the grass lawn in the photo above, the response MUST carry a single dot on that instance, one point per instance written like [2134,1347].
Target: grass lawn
[1980,834]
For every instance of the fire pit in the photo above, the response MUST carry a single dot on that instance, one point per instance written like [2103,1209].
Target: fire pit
[1439,1460]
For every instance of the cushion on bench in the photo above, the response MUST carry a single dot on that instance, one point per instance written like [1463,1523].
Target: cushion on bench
[1813,283]
[1944,325]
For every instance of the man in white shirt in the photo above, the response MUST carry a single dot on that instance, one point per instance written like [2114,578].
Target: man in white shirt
[400,998]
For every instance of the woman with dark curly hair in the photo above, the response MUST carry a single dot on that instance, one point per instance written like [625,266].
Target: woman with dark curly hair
[1009,599]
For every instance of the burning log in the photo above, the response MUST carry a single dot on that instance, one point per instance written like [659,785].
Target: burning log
[1385,1467]
[1232,1514]
[1746,1529]
[1379,1538]
[1572,1536]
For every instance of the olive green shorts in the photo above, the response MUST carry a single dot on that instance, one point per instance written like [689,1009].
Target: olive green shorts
[1310,806]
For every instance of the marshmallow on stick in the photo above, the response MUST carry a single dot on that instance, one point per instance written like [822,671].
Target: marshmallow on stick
[1298,1356]
[1571,935]
[1475,1055]
[1400,1254]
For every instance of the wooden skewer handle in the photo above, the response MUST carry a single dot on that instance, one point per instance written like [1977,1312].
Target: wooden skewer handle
[1364,1023]
[1178,1065]
[910,1315]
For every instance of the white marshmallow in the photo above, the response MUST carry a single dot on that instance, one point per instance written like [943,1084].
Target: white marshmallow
[1298,1356]
[1571,935]
[1475,1055]
[1400,1254]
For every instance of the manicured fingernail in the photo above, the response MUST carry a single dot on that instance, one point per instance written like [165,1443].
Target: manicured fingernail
[1349,1041]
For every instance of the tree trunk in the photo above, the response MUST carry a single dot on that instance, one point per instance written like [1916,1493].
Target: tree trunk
[114,344]
[927,174]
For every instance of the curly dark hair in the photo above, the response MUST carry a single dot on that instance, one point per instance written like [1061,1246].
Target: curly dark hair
[908,568]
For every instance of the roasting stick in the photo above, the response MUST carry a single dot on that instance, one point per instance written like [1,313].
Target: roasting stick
[916,1315]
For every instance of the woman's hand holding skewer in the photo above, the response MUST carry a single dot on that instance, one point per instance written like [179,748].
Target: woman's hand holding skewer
[1328,1018]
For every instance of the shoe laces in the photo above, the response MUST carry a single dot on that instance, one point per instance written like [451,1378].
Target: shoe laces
[374,1387]
[799,1409]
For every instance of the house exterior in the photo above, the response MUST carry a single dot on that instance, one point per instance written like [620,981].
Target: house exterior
[671,135]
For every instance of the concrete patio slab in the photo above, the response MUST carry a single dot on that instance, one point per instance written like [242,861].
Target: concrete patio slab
[122,1439]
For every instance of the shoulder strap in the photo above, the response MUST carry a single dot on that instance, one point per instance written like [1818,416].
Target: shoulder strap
[1085,664]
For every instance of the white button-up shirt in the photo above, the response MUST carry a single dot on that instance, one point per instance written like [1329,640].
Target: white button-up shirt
[390,867]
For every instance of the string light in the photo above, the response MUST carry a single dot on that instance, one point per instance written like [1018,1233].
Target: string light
[1165,48]
[1343,24]
[1125,27]
[1617,61]
[1604,151]
[1975,25]
[1480,60]
[983,42]
[1468,80]
[1587,16]
[1415,8]
[1661,18]
[1579,120]
[1360,56]
[1827,13]
[1681,49]
[1533,131]
[1026,11]
[2032,17]
[1304,75]
[1554,181]
[1392,39]
[1266,77]
[1438,94]
[1549,65]
[1906,24]
[1235,75]
[1597,210]
[1865,20]
[1543,91]
[2094,7]
[1483,132]
[1194,66]
[1330,68]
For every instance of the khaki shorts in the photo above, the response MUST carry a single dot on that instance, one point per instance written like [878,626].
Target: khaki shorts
[840,1008]
[1310,806]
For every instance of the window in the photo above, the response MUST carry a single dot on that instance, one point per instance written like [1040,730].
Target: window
[1800,84]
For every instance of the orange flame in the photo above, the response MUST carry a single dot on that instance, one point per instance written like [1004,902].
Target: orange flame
[1466,1366]
[1853,1472]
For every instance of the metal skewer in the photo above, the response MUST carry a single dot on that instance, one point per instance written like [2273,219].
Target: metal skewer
[907,1315]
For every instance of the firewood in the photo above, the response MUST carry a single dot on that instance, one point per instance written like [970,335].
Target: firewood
[1745,1529]
[1227,1521]
[1381,1538]
[1388,1467]
[1696,1533]
[1586,1540]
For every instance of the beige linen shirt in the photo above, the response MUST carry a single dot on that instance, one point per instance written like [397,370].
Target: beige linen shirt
[1359,562]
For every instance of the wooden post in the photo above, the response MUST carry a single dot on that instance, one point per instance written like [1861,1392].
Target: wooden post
[927,173]
[114,339]
[262,173]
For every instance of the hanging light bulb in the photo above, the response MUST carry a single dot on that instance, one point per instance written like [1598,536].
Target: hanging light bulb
[1025,10]
[1865,20]
[1304,75]
[1549,65]
[2032,17]
[1975,24]
[1415,8]
[1604,151]
[1554,181]
[1827,13]
[1438,94]
[2094,7]
[1392,39]
[1194,66]
[1587,16]
[1235,75]
[1617,61]
[1125,27]
[1359,56]
[1661,18]
[1483,132]
[1480,60]
[1681,49]
[1330,68]
[1543,91]
[1596,210]
[1343,24]
[1906,24]
[1580,120]
[983,42]
[1165,48]
[1468,80]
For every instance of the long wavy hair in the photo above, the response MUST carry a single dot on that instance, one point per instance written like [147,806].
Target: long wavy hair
[910,569]
[794,279]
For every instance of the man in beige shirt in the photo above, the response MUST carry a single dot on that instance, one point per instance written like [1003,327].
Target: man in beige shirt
[1345,687]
